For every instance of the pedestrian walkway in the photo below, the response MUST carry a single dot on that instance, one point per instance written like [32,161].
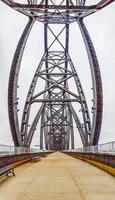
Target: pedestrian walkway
[58,177]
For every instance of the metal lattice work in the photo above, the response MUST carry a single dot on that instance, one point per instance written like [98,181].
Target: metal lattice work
[56,68]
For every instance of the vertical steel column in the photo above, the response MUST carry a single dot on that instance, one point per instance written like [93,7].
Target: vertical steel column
[41,130]
[71,130]
[46,63]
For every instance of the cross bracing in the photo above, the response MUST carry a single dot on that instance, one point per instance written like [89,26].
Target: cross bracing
[56,112]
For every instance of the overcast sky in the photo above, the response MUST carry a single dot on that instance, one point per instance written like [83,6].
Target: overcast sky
[102,30]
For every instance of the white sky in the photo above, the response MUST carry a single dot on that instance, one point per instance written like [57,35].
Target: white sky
[101,27]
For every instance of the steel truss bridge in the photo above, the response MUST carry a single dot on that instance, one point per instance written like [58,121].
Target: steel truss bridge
[57,111]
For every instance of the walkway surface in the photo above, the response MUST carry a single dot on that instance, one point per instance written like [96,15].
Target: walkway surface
[58,177]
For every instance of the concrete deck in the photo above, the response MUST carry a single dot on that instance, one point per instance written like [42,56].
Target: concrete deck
[58,177]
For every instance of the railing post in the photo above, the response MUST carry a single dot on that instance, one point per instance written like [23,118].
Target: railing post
[113,147]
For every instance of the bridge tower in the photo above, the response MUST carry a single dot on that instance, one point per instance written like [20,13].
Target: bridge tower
[57,101]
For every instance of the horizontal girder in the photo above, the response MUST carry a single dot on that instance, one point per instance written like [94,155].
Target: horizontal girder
[56,12]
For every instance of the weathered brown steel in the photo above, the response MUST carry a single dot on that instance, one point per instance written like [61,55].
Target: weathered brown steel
[18,158]
[107,159]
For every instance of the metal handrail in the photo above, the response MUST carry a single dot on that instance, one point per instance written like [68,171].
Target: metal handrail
[108,147]
[10,150]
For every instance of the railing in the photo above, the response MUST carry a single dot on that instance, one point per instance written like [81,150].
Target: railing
[9,150]
[101,148]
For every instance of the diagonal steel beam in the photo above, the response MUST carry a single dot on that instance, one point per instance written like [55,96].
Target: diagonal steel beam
[33,126]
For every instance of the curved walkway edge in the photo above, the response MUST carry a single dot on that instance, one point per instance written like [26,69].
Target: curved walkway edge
[58,177]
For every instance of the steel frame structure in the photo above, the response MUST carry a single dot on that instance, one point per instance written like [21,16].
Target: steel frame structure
[56,69]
